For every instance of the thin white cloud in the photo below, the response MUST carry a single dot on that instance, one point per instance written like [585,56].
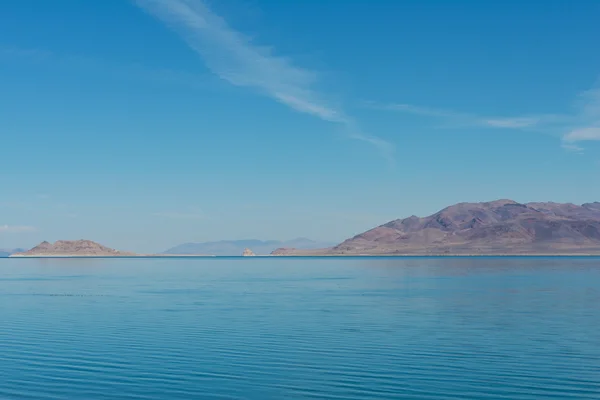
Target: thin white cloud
[517,122]
[16,229]
[582,124]
[236,59]
[582,134]
[588,103]
[463,119]
[572,147]
[424,111]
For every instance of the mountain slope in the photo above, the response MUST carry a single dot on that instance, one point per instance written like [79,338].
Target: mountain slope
[236,247]
[497,227]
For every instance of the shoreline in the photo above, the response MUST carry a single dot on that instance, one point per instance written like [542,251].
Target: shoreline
[315,256]
[106,256]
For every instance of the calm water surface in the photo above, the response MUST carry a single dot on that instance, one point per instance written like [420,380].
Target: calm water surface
[274,328]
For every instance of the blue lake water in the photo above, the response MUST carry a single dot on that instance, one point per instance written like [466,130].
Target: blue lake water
[299,328]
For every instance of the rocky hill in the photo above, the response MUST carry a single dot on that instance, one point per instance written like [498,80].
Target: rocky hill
[496,227]
[71,248]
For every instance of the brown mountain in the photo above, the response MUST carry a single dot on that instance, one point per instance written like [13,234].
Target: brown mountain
[496,227]
[81,248]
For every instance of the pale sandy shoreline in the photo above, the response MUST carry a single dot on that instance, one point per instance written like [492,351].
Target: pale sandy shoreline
[105,256]
[308,255]
[441,255]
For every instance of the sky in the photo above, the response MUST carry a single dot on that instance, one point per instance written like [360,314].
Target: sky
[145,124]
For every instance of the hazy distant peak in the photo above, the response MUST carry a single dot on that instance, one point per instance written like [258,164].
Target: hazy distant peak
[236,247]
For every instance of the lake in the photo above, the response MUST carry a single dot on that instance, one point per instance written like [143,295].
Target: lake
[300,328]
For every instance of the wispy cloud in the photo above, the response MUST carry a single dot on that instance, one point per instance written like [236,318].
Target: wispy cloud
[581,124]
[512,122]
[236,59]
[572,147]
[465,119]
[424,111]
[16,229]
[585,124]
[581,134]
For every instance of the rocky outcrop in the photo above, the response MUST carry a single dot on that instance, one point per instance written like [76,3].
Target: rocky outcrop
[284,251]
[290,251]
[496,227]
[72,248]
[248,253]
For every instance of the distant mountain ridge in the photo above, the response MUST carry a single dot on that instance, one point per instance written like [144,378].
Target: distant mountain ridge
[496,227]
[8,252]
[236,247]
[83,248]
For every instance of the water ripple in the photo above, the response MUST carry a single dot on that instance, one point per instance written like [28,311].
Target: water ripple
[344,329]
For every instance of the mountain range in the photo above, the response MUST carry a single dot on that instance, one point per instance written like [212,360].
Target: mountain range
[500,227]
[496,227]
[237,247]
[8,252]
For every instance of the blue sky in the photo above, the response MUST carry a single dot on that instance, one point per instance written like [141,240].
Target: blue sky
[145,124]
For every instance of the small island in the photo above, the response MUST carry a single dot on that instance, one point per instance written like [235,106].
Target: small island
[72,248]
[85,248]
